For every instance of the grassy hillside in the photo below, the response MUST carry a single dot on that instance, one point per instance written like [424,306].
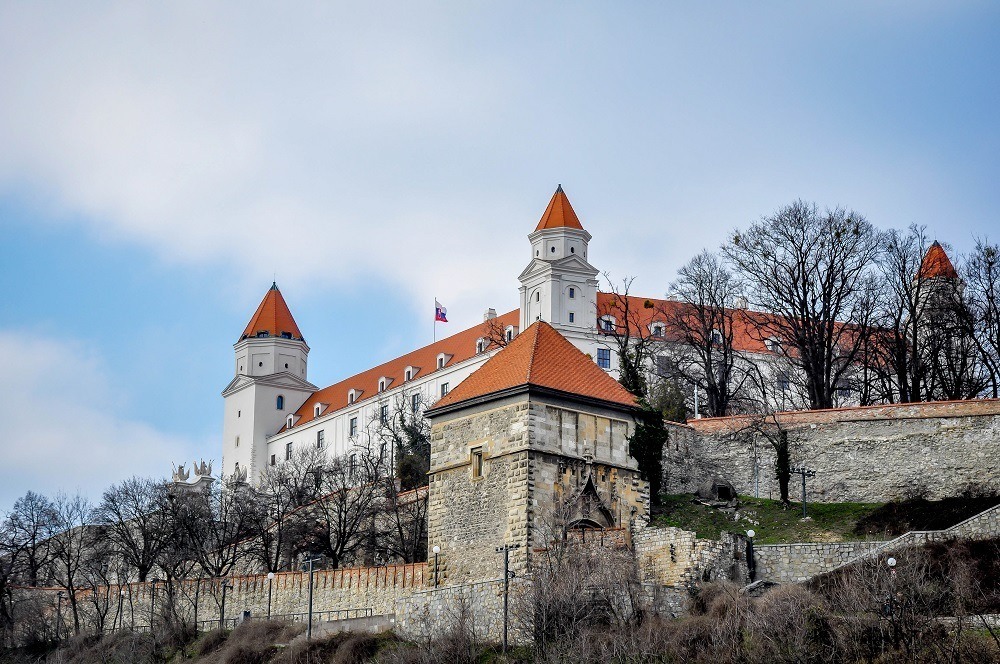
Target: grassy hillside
[827,522]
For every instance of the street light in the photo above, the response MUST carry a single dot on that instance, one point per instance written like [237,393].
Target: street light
[120,619]
[804,472]
[309,628]
[751,563]
[222,609]
[436,550]
[270,582]
[59,596]
[507,576]
[152,602]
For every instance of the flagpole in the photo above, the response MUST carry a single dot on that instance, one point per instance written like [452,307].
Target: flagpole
[435,337]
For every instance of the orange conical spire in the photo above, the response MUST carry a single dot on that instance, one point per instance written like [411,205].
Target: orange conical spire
[937,264]
[559,213]
[273,318]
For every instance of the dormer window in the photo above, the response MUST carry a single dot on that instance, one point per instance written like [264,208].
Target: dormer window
[318,409]
[286,335]
[773,344]
[410,372]
[508,333]
[263,334]
[442,360]
[608,324]
[717,337]
[481,345]
[291,421]
[383,383]
[657,330]
[352,395]
[280,402]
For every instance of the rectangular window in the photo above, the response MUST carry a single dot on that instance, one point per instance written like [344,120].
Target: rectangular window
[383,414]
[352,427]
[288,451]
[444,389]
[572,293]
[320,439]
[353,467]
[783,381]
[572,317]
[415,402]
[273,459]
[604,358]
[477,462]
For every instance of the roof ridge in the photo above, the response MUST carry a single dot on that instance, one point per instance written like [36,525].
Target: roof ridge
[534,351]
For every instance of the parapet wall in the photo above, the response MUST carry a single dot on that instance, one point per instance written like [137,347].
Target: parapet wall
[867,454]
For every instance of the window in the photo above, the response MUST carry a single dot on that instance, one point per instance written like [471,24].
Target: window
[381,386]
[415,402]
[239,413]
[480,345]
[658,330]
[604,358]
[383,414]
[509,333]
[286,335]
[663,365]
[572,317]
[608,324]
[352,467]
[263,334]
[320,439]
[783,382]
[408,375]
[843,389]
[352,427]
[280,402]
[717,337]
[290,421]
[444,389]
[477,463]
[237,441]
[317,409]
[773,344]
[288,451]
[273,459]
[572,293]
[237,467]
[537,296]
[572,250]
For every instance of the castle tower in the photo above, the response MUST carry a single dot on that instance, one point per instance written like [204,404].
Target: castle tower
[530,448]
[269,386]
[559,286]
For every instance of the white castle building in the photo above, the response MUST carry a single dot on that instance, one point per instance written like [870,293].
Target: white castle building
[272,410]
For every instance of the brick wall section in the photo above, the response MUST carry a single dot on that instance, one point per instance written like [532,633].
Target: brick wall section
[871,454]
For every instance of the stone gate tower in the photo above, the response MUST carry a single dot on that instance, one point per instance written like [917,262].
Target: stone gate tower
[529,448]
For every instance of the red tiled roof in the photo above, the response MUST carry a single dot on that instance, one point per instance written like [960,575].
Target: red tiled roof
[273,317]
[542,357]
[460,347]
[937,264]
[559,213]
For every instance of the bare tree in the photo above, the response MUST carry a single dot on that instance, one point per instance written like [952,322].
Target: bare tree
[982,278]
[702,329]
[32,523]
[211,525]
[812,276]
[71,546]
[138,522]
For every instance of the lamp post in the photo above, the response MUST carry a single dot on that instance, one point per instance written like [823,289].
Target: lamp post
[120,618]
[59,596]
[507,576]
[436,550]
[222,608]
[270,582]
[751,563]
[309,627]
[804,472]
[890,608]
[152,602]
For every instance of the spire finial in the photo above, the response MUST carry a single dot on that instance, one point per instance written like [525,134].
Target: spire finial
[559,188]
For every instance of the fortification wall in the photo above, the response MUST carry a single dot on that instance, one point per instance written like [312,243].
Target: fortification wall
[678,558]
[869,454]
[791,563]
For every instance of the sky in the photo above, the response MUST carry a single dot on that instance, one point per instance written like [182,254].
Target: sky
[162,163]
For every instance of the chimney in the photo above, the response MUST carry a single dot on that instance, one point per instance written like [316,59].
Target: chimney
[490,314]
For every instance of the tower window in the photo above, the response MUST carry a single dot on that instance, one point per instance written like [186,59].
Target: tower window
[572,293]
[552,249]
[288,451]
[237,441]
[286,365]
[239,413]
[572,317]
[538,296]
[572,250]
[273,459]
[280,402]
[604,358]
[477,463]
[320,439]
[286,335]
[263,334]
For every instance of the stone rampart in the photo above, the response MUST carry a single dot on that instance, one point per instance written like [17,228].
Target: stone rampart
[792,563]
[867,454]
[678,558]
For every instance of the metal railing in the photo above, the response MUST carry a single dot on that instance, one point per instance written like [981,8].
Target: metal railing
[324,616]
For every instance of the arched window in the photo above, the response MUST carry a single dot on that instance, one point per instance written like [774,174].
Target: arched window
[280,402]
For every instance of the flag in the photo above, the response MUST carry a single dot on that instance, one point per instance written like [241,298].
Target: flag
[440,313]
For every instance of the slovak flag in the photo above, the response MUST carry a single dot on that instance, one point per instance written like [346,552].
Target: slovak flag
[440,313]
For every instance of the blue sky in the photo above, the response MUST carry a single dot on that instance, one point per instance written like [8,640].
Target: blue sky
[160,164]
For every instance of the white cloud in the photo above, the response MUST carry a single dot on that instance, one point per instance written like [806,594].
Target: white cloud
[66,425]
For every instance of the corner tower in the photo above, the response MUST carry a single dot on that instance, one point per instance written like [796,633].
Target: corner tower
[559,286]
[269,385]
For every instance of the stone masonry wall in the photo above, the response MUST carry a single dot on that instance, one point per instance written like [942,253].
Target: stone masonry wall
[791,563]
[678,558]
[870,454]
[476,608]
